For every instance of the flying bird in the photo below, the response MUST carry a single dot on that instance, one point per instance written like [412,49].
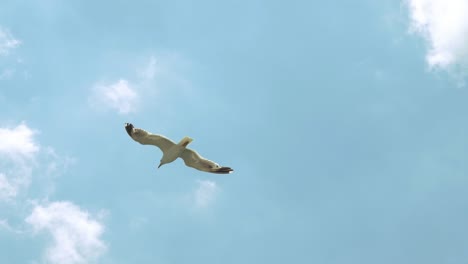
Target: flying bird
[172,151]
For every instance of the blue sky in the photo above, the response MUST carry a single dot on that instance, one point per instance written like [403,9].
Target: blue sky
[345,124]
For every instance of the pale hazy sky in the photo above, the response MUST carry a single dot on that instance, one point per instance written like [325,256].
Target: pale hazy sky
[346,124]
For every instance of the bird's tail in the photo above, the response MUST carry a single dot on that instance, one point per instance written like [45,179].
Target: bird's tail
[222,170]
[185,141]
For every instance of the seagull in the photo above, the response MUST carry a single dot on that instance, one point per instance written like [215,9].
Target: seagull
[172,151]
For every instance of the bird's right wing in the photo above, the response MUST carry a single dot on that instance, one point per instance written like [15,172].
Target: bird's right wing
[193,159]
[144,137]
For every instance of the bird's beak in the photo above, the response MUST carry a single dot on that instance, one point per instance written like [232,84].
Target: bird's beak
[160,164]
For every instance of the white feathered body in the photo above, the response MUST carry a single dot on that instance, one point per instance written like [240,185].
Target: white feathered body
[175,151]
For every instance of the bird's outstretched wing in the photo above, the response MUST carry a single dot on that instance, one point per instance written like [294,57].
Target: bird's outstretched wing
[193,159]
[144,137]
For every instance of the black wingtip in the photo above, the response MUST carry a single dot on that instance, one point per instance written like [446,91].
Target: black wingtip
[128,128]
[223,170]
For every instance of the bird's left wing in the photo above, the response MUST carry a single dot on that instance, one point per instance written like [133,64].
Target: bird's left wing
[146,138]
[193,159]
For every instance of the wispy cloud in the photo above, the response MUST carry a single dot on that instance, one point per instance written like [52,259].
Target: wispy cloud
[51,166]
[153,78]
[444,25]
[75,233]
[7,74]
[151,69]
[7,41]
[120,96]
[205,193]
[138,222]
[6,226]
[8,189]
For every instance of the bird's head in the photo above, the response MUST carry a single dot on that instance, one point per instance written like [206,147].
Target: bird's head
[129,128]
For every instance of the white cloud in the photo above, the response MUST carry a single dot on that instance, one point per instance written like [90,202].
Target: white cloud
[444,24]
[205,193]
[155,77]
[75,233]
[24,162]
[7,42]
[18,142]
[21,156]
[120,96]
[18,150]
